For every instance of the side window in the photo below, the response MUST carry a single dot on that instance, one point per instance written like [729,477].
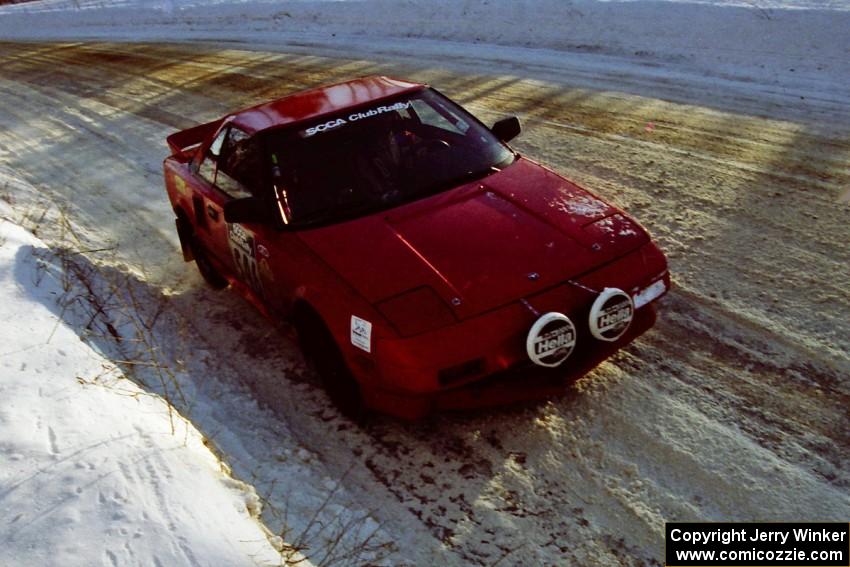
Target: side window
[208,164]
[239,165]
[233,164]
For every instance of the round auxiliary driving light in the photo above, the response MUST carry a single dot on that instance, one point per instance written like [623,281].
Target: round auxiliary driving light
[551,339]
[611,314]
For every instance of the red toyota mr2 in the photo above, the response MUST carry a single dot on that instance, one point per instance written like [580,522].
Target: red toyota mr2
[423,262]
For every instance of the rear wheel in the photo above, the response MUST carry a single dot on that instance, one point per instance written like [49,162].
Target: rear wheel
[323,354]
[213,278]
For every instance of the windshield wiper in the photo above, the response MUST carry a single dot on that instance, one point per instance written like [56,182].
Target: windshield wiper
[462,179]
[336,215]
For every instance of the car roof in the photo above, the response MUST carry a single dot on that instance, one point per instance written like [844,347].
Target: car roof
[313,103]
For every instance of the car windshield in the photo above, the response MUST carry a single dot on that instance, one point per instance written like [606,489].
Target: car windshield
[378,157]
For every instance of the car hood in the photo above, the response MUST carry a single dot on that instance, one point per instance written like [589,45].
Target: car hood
[482,244]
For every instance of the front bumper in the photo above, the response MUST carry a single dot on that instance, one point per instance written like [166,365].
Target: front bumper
[491,349]
[527,381]
[522,381]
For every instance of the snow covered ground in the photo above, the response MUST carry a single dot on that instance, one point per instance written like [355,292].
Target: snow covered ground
[722,125]
[97,453]
[94,470]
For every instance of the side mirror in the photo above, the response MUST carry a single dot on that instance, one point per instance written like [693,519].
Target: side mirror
[507,129]
[247,209]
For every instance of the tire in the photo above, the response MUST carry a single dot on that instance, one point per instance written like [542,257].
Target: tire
[322,353]
[213,278]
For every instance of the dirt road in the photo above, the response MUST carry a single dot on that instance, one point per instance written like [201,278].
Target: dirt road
[735,407]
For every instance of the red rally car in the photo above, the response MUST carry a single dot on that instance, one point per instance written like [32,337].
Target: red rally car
[423,262]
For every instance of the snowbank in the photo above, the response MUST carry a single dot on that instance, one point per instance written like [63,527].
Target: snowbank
[143,329]
[94,470]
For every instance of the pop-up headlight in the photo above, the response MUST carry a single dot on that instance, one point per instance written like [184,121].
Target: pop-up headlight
[416,311]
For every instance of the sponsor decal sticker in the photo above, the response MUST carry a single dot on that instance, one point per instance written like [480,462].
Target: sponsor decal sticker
[361,333]
[611,314]
[180,185]
[551,339]
[240,239]
[244,256]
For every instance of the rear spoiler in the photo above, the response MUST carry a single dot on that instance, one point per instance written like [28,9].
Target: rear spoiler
[180,142]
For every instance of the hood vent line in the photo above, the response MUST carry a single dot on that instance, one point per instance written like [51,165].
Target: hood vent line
[584,287]
[536,313]
[457,295]
[530,307]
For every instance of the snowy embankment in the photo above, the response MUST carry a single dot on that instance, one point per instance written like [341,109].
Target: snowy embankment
[95,470]
[70,279]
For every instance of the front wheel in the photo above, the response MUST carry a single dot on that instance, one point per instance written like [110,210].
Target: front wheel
[323,354]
